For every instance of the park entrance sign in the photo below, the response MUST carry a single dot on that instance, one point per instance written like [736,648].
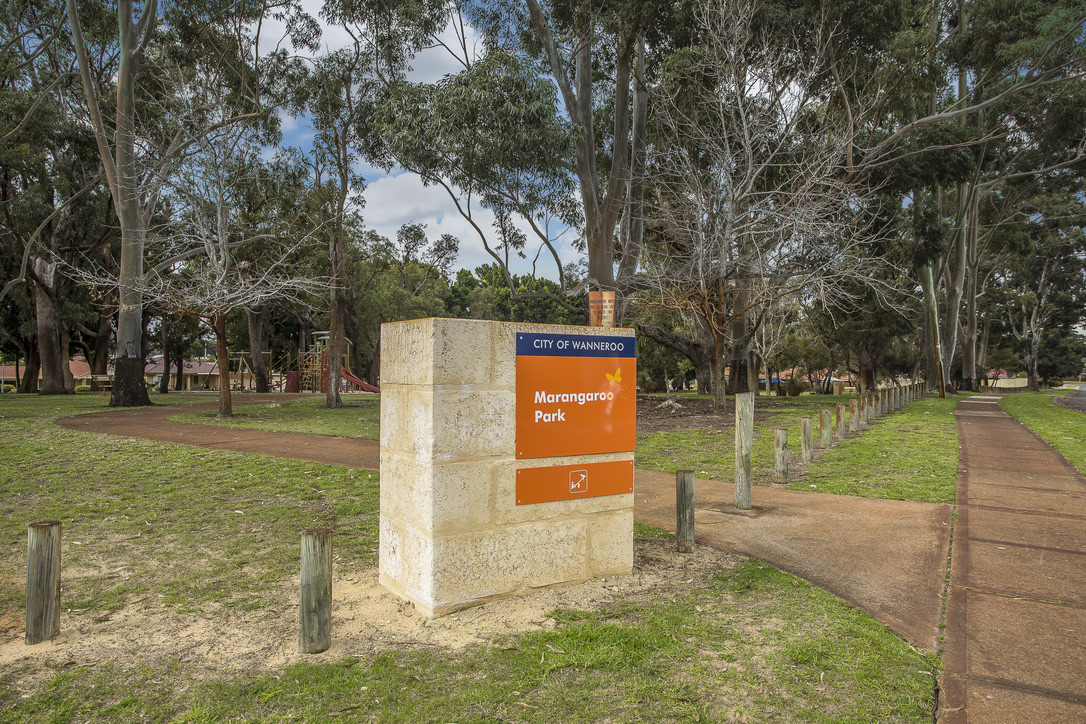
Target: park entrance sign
[576,395]
[506,458]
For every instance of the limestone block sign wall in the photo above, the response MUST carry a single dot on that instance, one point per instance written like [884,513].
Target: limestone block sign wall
[506,458]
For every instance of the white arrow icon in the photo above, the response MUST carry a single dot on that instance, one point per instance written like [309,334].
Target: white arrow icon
[578,481]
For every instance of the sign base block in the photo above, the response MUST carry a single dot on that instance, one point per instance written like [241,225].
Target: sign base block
[463,519]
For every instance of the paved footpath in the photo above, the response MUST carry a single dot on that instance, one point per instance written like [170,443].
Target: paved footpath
[1015,646]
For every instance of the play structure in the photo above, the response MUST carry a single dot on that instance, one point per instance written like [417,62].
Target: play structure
[313,369]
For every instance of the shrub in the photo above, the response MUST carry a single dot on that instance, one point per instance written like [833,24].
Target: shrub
[795,387]
[82,388]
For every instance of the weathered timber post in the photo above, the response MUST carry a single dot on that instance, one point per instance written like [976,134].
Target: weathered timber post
[806,439]
[839,412]
[853,415]
[684,510]
[42,580]
[744,448]
[872,405]
[780,453]
[861,412]
[880,396]
[315,595]
[825,429]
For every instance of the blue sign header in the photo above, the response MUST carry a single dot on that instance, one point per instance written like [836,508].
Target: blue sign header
[575,345]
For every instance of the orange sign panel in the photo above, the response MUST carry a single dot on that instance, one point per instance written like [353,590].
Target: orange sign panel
[569,482]
[576,395]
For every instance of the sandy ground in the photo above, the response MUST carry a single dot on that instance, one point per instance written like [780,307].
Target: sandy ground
[366,619]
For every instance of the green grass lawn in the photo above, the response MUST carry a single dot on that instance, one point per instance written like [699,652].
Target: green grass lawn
[1061,428]
[128,502]
[196,534]
[910,454]
[711,455]
[359,418]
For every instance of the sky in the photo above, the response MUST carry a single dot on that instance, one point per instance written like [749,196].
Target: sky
[396,198]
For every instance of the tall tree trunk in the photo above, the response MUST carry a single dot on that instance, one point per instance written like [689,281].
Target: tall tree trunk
[258,319]
[634,218]
[99,361]
[374,373]
[29,382]
[931,308]
[164,383]
[336,339]
[179,379]
[48,327]
[222,356]
[66,355]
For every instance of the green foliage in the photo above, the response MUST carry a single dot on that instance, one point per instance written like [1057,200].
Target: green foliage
[486,294]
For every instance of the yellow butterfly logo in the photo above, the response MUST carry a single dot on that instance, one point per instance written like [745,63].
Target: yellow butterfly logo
[616,377]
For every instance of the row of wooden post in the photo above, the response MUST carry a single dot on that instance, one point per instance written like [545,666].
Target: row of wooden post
[43,586]
[861,412]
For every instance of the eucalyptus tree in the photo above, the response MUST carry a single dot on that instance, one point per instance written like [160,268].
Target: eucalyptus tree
[143,87]
[50,192]
[339,92]
[491,137]
[750,206]
[391,280]
[1042,282]
[206,267]
[558,98]
[976,102]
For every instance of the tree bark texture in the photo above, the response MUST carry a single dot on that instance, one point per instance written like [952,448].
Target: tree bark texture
[222,355]
[47,317]
[258,319]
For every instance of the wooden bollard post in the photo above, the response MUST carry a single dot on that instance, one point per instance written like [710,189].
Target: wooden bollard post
[684,510]
[806,439]
[880,395]
[839,412]
[853,415]
[315,598]
[873,404]
[780,453]
[825,429]
[42,580]
[744,448]
[861,411]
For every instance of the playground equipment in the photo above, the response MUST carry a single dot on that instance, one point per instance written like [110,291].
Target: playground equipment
[314,365]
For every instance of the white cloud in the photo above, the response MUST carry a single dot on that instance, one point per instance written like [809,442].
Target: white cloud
[391,200]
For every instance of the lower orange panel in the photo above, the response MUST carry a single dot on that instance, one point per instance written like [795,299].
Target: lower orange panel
[570,482]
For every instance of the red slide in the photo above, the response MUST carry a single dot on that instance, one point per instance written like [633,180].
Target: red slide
[364,386]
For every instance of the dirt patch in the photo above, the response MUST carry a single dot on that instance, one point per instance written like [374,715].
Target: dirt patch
[366,619]
[668,414]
